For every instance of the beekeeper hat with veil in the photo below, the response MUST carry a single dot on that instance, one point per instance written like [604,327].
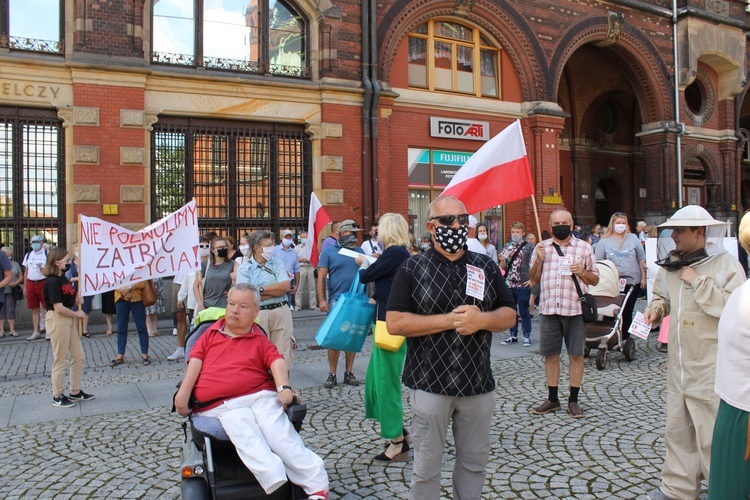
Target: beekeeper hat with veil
[692,216]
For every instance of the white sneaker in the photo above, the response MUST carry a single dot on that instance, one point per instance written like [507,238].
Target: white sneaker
[35,336]
[179,353]
[174,331]
[291,307]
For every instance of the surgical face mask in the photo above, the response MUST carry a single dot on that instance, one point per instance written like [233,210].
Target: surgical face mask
[204,252]
[36,246]
[561,232]
[302,241]
[481,237]
[222,252]
[267,253]
[620,228]
[349,241]
[450,239]
[425,246]
[244,250]
[76,253]
[287,242]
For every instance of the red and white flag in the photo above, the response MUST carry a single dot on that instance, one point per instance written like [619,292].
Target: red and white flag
[497,173]
[317,221]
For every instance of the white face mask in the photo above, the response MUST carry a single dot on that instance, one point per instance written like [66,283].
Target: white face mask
[287,242]
[204,252]
[267,253]
[481,237]
[244,250]
[620,228]
[302,241]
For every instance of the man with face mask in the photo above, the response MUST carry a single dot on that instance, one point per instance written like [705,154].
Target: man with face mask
[447,302]
[515,259]
[33,263]
[560,311]
[286,254]
[472,242]
[692,287]
[340,270]
[371,247]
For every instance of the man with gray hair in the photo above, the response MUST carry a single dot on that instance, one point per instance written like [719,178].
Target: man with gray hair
[555,263]
[447,302]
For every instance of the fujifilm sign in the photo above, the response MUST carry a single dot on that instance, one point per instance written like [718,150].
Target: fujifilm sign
[452,128]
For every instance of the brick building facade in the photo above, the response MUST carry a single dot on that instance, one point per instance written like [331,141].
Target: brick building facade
[125,110]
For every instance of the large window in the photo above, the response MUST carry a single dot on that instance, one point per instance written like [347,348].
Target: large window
[32,178]
[451,57]
[24,27]
[257,36]
[244,176]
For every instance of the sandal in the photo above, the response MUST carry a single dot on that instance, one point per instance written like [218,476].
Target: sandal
[146,360]
[2,334]
[86,334]
[108,332]
[13,333]
[117,362]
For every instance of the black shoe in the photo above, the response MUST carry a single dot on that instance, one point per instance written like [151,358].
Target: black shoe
[510,340]
[62,402]
[350,379]
[330,381]
[81,396]
[402,455]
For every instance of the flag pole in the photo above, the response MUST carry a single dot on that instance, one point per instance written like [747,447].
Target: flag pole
[536,217]
[80,273]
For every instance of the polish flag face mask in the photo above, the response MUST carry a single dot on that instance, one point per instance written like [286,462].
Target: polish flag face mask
[452,240]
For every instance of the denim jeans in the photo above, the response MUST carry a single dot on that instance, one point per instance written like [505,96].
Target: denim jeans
[124,310]
[521,296]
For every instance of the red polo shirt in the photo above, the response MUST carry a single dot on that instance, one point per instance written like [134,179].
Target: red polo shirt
[233,367]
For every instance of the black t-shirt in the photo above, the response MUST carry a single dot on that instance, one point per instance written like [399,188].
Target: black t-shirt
[57,289]
[447,363]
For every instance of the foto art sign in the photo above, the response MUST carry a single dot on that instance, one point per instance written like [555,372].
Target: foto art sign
[113,257]
[452,128]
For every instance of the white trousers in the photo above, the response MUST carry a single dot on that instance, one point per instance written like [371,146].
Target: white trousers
[268,444]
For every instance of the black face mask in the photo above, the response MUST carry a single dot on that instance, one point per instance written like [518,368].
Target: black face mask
[349,241]
[65,268]
[561,232]
[222,252]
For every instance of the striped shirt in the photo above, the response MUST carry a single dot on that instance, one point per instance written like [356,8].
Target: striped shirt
[559,295]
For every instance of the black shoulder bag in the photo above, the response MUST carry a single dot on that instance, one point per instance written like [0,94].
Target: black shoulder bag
[588,302]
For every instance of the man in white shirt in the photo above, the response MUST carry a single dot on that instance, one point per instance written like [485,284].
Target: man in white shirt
[640,229]
[306,276]
[33,263]
[372,247]
[473,242]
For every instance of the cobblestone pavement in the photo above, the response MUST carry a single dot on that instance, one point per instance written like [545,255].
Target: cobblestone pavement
[126,443]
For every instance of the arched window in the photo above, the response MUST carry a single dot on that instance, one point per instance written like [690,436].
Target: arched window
[451,57]
[257,36]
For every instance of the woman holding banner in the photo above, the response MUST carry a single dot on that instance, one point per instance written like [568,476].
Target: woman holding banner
[60,298]
[128,301]
[216,277]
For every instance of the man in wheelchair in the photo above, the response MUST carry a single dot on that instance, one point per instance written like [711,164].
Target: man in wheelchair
[228,378]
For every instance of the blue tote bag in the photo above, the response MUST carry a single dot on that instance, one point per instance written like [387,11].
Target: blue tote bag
[347,326]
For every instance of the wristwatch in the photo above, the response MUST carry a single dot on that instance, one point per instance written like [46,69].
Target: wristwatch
[282,388]
[261,290]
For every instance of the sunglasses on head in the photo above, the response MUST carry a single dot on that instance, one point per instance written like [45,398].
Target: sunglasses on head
[448,220]
[620,214]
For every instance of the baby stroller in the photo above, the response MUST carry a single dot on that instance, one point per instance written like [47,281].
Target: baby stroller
[209,465]
[605,334]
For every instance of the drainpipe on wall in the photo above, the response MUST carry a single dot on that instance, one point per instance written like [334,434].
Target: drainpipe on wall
[366,108]
[740,209]
[374,106]
[680,126]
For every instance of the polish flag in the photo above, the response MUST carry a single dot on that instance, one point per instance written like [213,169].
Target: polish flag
[317,221]
[498,173]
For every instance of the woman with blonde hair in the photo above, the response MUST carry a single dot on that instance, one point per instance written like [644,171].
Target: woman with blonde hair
[60,298]
[729,476]
[623,248]
[215,277]
[383,387]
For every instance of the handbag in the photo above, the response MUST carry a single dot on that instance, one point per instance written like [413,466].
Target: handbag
[148,293]
[346,327]
[385,340]
[588,302]
[17,292]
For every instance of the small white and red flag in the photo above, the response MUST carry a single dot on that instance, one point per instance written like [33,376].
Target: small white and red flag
[317,220]
[497,173]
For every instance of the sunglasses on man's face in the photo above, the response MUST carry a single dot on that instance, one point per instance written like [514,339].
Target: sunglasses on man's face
[204,245]
[448,220]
